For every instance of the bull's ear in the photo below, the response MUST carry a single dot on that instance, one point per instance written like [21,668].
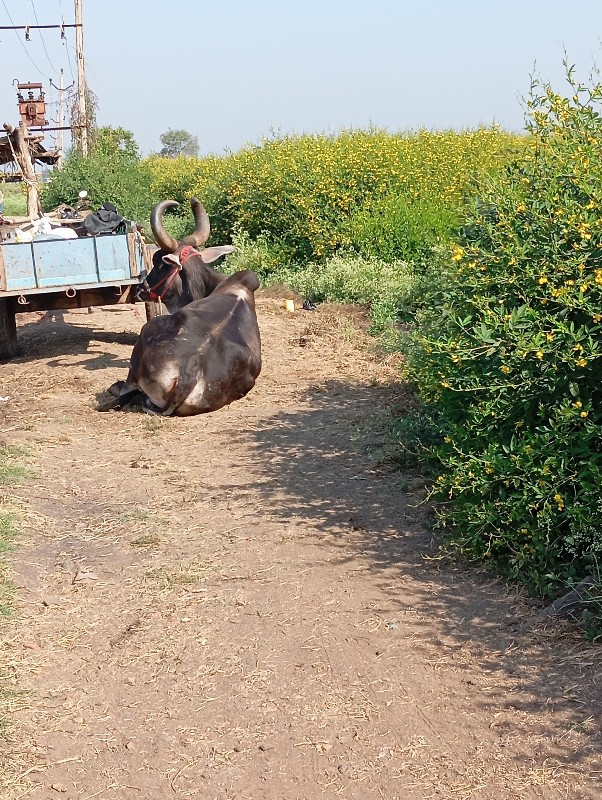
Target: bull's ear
[210,254]
[172,259]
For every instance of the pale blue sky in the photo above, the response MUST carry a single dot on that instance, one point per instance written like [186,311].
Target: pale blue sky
[232,71]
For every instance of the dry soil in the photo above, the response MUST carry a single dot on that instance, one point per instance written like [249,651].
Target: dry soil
[251,604]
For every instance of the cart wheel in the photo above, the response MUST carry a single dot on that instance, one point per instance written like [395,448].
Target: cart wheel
[8,329]
[154,310]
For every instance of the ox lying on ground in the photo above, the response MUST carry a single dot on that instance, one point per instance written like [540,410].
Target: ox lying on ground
[208,353]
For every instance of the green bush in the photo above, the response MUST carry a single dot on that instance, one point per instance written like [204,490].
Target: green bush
[258,255]
[388,290]
[113,172]
[352,279]
[509,353]
[397,227]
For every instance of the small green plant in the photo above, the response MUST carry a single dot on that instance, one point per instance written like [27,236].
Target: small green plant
[414,435]
[146,540]
[7,534]
[11,472]
[152,425]
[139,515]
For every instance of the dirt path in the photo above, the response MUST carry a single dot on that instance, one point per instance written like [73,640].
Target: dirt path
[246,605]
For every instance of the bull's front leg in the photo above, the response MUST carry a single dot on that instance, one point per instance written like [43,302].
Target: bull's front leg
[121,398]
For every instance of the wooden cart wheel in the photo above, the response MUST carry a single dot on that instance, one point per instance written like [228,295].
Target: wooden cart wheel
[8,329]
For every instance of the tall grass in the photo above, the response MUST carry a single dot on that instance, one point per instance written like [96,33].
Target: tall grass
[15,199]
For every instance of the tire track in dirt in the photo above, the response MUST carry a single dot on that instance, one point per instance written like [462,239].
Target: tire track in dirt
[239,605]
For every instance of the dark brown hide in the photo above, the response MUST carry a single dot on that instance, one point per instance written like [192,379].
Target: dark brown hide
[202,357]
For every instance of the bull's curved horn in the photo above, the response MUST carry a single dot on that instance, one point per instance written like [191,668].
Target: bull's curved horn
[202,226]
[163,239]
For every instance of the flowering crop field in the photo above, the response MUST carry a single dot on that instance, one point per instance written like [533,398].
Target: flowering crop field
[308,195]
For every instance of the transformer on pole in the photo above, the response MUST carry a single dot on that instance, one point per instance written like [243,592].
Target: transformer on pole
[31,108]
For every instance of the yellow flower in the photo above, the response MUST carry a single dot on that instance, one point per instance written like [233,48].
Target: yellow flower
[578,404]
[457,253]
[581,362]
[584,413]
[539,354]
[505,368]
[521,207]
[543,280]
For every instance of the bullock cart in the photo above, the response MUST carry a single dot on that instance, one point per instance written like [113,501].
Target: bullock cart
[54,274]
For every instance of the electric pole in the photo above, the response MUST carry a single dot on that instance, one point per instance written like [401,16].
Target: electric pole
[60,120]
[81,79]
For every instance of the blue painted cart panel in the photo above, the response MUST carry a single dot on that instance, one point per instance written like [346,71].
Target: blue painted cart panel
[43,264]
[113,258]
[18,266]
[58,262]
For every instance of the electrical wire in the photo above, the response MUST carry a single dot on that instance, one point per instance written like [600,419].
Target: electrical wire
[22,44]
[65,42]
[52,67]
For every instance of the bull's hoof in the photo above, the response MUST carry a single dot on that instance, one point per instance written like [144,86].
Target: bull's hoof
[115,388]
[150,408]
[109,404]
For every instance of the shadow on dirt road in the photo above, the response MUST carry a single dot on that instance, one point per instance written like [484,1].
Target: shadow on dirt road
[313,469]
[57,341]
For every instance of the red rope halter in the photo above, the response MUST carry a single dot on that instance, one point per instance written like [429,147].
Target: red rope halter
[185,254]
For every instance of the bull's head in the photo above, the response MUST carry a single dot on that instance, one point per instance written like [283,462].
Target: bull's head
[180,272]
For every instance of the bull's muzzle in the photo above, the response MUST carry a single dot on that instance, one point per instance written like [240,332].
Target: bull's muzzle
[143,292]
